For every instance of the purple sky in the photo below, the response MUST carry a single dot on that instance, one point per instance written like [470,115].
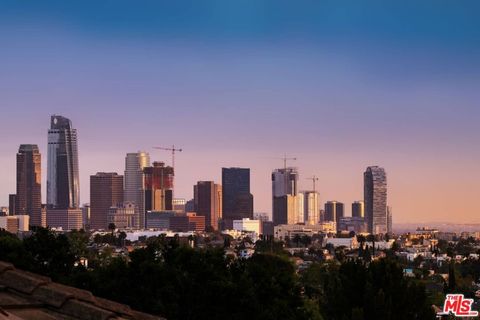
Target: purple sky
[339,89]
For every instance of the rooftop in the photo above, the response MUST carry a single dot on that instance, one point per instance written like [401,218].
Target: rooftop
[25,295]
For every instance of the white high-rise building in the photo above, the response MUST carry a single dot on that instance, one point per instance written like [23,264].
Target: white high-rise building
[311,210]
[301,207]
[134,181]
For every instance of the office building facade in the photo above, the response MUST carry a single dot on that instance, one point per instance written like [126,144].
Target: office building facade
[334,211]
[237,201]
[12,202]
[29,178]
[358,209]
[134,181]
[106,190]
[63,183]
[375,198]
[208,202]
[124,216]
[311,210]
[287,203]
[65,219]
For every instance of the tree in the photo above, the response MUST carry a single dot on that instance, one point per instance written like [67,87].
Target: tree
[227,241]
[52,254]
[12,250]
[395,246]
[451,277]
[78,243]
[121,238]
[355,290]
[371,238]
[296,239]
[361,239]
[112,227]
[306,240]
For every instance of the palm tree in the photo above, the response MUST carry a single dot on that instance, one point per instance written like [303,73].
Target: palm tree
[371,238]
[361,239]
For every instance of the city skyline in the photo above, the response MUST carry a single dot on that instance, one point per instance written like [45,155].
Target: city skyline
[166,160]
[241,86]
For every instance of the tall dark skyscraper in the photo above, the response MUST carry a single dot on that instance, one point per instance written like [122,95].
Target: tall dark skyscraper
[358,209]
[334,210]
[63,186]
[12,202]
[106,190]
[208,202]
[375,198]
[237,201]
[29,196]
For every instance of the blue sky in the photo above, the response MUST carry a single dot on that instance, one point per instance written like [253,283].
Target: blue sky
[339,84]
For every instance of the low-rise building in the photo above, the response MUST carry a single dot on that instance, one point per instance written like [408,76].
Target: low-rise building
[14,224]
[290,230]
[350,243]
[65,219]
[356,224]
[159,220]
[246,224]
[125,216]
[188,222]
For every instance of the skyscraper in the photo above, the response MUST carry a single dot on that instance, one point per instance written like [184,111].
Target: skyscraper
[285,181]
[63,186]
[106,190]
[208,202]
[237,201]
[358,209]
[389,220]
[311,210]
[158,186]
[375,197]
[334,211]
[29,196]
[286,201]
[12,202]
[134,190]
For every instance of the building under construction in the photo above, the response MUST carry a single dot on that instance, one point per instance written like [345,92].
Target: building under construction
[158,184]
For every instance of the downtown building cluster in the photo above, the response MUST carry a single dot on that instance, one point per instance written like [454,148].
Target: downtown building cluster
[143,197]
[298,212]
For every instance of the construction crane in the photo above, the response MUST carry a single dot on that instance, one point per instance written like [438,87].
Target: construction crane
[285,159]
[173,150]
[314,180]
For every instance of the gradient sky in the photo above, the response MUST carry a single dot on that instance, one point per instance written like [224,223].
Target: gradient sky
[339,84]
